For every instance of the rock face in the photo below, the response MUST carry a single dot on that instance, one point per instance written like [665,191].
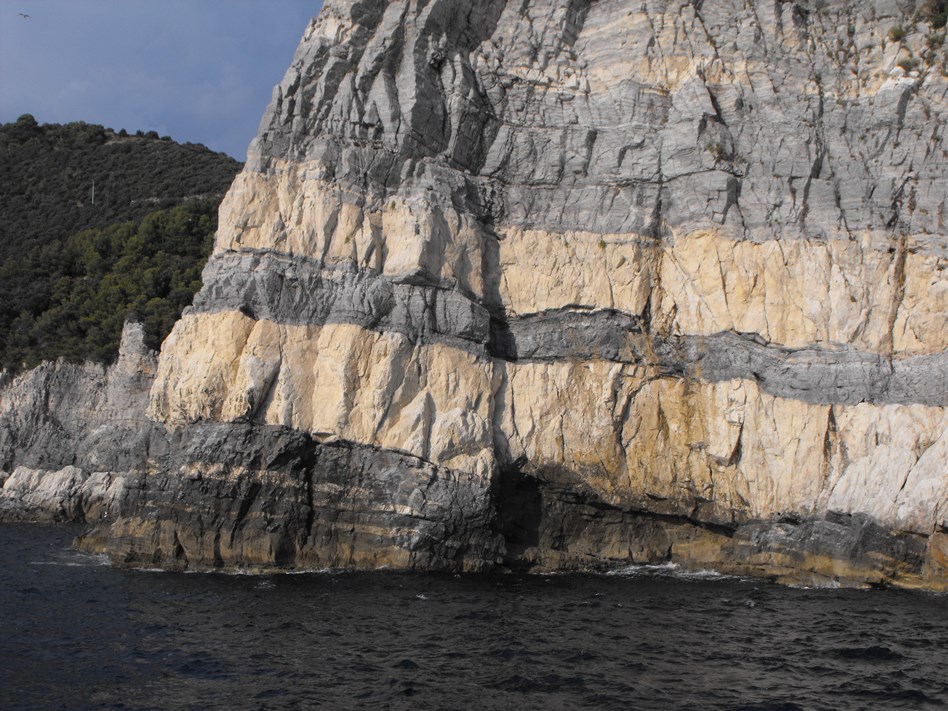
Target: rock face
[69,434]
[569,284]
[76,445]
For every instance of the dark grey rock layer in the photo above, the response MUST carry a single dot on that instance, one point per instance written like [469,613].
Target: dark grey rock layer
[299,291]
[552,520]
[490,105]
[243,495]
[843,376]
[840,375]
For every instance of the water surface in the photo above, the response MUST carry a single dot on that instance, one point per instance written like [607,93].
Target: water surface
[76,634]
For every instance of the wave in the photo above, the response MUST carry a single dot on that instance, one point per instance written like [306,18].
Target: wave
[671,570]
[76,559]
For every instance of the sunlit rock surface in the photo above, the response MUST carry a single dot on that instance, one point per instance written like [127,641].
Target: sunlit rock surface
[569,284]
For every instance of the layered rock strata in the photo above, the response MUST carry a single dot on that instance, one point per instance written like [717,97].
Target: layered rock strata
[667,280]
[76,446]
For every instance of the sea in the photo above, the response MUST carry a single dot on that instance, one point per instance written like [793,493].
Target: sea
[77,633]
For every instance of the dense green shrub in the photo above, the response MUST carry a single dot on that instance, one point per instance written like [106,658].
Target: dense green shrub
[72,271]
[47,173]
[69,298]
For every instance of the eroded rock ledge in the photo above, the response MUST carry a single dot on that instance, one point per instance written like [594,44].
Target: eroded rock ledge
[560,284]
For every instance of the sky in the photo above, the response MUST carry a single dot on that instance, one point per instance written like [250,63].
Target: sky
[197,70]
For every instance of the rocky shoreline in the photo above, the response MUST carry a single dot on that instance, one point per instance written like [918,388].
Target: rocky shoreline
[245,496]
[556,285]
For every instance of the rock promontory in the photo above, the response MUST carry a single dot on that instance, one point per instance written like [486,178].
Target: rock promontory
[557,284]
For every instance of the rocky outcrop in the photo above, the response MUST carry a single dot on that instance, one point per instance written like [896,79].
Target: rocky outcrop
[70,433]
[76,446]
[650,283]
[260,497]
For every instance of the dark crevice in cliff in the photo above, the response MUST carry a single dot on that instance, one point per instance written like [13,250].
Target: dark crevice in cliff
[518,502]
[179,556]
[551,519]
[218,559]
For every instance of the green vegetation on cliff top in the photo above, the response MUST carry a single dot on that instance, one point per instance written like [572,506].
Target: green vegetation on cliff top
[72,271]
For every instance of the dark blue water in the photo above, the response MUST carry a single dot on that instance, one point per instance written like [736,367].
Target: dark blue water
[75,633]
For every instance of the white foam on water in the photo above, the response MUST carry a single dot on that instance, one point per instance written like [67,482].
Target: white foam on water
[76,559]
[270,572]
[821,585]
[633,570]
[671,570]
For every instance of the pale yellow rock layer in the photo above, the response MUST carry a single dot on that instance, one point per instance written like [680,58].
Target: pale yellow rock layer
[797,293]
[793,293]
[286,211]
[541,271]
[335,381]
[682,47]
[727,448]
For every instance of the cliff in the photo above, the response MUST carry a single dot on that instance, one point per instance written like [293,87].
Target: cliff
[568,284]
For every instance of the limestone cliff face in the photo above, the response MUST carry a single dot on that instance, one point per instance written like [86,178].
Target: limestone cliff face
[611,281]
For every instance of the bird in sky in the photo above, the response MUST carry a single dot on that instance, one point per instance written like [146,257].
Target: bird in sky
[23,15]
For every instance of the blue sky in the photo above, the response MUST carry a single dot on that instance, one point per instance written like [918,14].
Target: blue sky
[197,70]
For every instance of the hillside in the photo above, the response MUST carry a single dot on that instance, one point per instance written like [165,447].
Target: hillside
[47,173]
[73,263]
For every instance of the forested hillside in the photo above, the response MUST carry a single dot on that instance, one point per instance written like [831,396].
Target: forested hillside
[76,262]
